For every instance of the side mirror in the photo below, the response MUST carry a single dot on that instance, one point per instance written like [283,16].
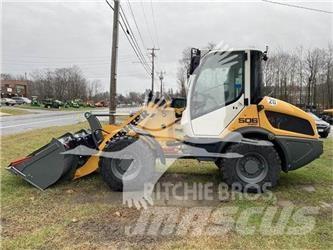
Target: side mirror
[195,60]
[178,103]
[265,57]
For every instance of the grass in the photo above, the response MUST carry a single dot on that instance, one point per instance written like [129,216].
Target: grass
[82,214]
[13,111]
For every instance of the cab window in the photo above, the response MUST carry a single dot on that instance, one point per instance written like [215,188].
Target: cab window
[219,82]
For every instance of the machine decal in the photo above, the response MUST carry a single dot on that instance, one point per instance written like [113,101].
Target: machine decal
[248,120]
[272,101]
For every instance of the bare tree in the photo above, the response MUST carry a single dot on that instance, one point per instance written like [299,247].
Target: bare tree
[5,76]
[62,84]
[329,76]
[184,67]
[300,69]
[312,65]
[182,79]
[301,78]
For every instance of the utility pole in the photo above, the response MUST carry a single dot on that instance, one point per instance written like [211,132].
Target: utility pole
[161,79]
[153,55]
[114,57]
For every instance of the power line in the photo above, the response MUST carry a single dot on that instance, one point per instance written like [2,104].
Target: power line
[154,22]
[133,47]
[132,36]
[298,6]
[69,58]
[145,66]
[136,24]
[127,33]
[88,62]
[145,17]
[137,50]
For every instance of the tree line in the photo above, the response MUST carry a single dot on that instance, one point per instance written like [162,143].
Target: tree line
[61,84]
[300,77]
[69,83]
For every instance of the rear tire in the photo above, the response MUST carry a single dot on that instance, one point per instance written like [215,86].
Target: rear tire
[258,169]
[113,170]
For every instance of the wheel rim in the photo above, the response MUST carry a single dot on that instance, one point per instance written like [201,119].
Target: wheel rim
[252,168]
[129,165]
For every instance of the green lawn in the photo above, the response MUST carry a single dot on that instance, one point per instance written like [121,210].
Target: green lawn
[13,111]
[83,214]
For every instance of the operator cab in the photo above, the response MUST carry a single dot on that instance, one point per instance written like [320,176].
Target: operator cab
[222,83]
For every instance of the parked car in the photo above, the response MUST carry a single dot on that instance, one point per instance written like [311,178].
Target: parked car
[50,103]
[19,100]
[8,102]
[89,104]
[101,104]
[327,116]
[71,104]
[323,127]
[35,102]
[26,100]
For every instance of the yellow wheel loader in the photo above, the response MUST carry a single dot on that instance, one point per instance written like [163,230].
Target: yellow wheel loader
[227,119]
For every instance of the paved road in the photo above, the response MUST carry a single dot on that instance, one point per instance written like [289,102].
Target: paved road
[44,118]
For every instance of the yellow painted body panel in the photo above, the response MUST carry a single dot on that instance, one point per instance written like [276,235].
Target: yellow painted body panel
[248,112]
[328,111]
[285,108]
[160,124]
[92,164]
[271,104]
[163,125]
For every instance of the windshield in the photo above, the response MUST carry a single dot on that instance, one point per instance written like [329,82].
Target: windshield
[219,82]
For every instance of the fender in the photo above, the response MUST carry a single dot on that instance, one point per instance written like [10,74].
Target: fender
[245,132]
[258,133]
[307,149]
[153,144]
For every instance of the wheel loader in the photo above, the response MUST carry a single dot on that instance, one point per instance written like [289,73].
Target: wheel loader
[227,120]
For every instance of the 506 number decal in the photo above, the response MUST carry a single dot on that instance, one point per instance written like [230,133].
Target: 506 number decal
[248,120]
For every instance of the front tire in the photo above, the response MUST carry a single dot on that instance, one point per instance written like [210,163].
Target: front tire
[258,169]
[120,173]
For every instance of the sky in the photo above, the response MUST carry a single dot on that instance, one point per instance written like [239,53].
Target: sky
[52,34]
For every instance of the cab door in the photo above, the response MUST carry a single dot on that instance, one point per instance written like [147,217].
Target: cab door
[217,93]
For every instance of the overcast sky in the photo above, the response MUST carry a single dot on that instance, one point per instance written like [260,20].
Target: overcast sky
[51,34]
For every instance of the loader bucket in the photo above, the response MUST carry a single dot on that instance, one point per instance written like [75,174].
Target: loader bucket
[46,165]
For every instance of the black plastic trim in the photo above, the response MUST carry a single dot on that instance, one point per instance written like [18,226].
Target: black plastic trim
[299,151]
